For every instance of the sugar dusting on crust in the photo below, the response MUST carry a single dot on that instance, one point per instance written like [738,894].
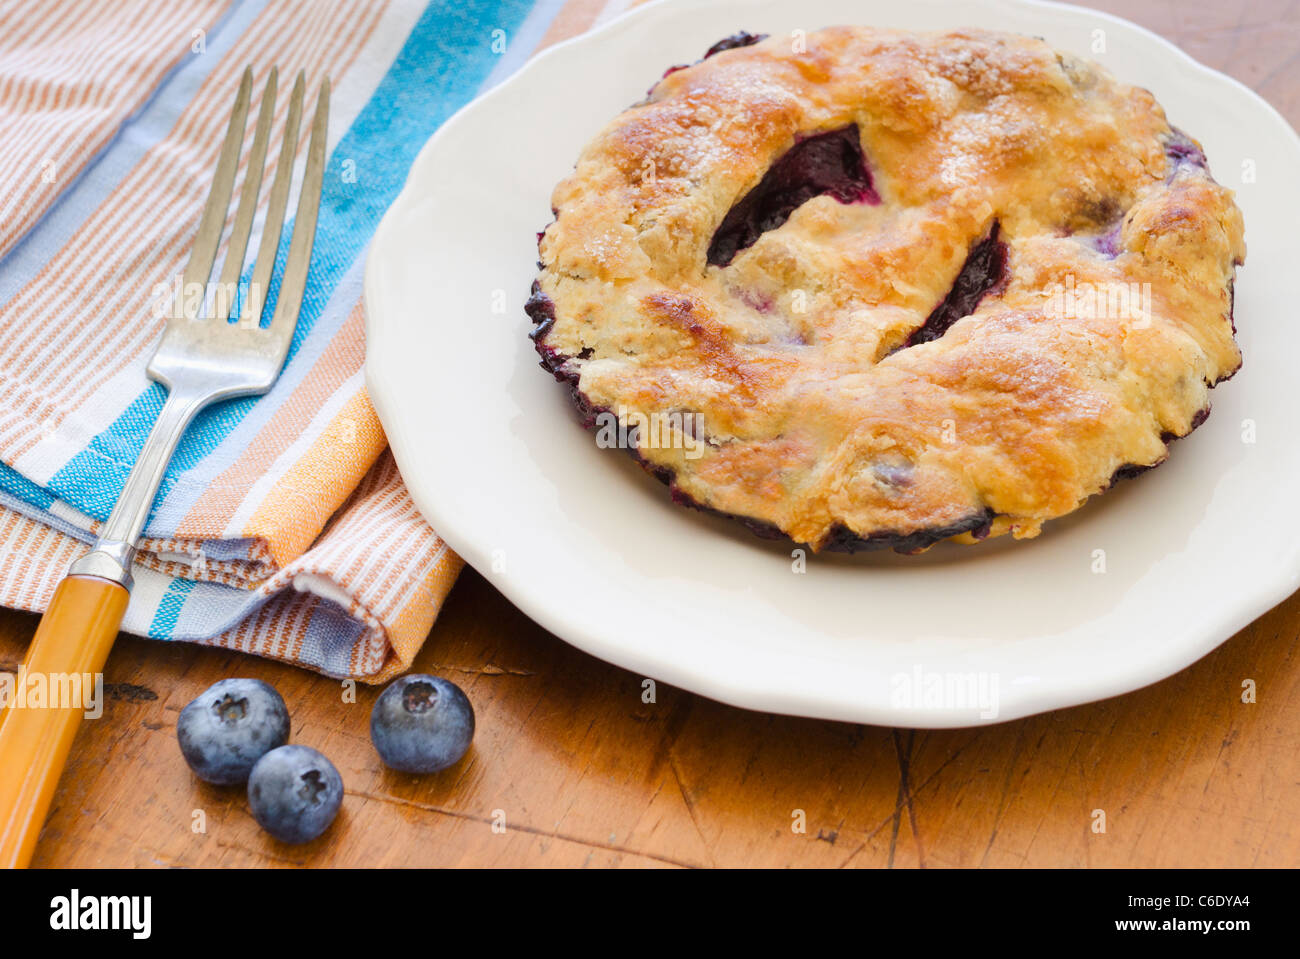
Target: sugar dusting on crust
[1012,409]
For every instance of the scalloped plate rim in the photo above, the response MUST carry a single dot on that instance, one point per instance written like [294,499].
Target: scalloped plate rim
[456,530]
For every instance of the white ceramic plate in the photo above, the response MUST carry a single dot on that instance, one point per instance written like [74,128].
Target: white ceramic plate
[591,548]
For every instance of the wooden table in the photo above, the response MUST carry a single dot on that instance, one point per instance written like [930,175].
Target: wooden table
[582,772]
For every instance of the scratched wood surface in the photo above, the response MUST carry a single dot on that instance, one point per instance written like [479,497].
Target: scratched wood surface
[582,772]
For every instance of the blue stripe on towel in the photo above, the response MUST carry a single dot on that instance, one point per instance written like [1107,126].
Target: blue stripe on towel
[169,608]
[18,485]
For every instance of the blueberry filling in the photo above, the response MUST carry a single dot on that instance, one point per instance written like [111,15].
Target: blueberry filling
[1107,244]
[1130,470]
[741,39]
[828,163]
[844,540]
[540,310]
[1180,148]
[984,270]
[894,475]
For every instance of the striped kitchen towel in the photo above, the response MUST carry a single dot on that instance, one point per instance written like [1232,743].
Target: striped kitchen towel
[282,527]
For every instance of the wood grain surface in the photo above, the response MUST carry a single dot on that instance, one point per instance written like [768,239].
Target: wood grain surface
[571,768]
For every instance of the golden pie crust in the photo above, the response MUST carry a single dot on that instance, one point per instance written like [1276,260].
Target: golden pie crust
[830,411]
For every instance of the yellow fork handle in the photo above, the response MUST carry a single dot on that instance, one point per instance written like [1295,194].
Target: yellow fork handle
[74,637]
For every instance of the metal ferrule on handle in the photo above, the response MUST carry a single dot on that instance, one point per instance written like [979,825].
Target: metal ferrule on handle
[115,549]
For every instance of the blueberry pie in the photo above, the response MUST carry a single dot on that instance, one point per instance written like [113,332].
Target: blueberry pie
[880,289]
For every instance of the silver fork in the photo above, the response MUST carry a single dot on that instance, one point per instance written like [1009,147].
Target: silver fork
[200,361]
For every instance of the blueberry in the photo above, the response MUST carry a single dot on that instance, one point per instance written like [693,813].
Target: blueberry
[294,793]
[421,724]
[230,727]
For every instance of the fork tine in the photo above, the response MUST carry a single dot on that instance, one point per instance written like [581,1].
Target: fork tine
[213,221]
[294,280]
[234,264]
[251,314]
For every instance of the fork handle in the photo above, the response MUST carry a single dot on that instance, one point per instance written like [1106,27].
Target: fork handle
[74,637]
